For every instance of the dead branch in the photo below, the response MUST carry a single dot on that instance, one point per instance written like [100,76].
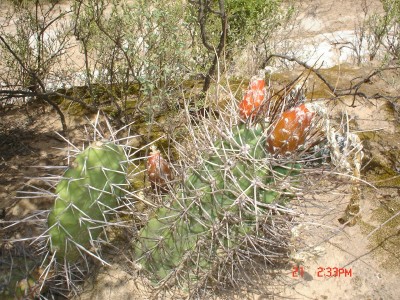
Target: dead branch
[354,88]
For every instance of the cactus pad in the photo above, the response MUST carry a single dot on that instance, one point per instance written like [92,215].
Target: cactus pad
[86,195]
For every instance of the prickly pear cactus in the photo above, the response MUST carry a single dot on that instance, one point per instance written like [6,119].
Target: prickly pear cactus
[90,197]
[217,211]
[233,206]
[86,195]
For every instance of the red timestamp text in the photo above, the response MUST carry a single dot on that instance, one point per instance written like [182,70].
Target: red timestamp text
[334,272]
[299,272]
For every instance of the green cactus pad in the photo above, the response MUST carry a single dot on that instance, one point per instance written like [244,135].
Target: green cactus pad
[216,208]
[88,190]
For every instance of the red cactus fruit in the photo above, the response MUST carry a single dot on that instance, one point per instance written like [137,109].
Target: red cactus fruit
[290,130]
[158,171]
[253,98]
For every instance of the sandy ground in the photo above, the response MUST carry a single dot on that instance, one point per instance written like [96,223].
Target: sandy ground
[369,264]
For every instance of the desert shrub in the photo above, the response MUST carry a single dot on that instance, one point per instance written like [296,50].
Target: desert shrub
[127,43]
[243,25]
[34,38]
[129,58]
[385,31]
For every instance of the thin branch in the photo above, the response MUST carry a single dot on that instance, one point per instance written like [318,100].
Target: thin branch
[8,94]
[305,65]
[202,19]
[220,47]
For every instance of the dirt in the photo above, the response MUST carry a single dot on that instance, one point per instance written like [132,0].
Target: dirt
[367,255]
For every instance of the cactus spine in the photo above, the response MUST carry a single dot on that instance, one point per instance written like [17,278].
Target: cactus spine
[86,195]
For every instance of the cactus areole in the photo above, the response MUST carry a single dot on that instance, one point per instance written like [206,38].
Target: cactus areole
[289,131]
[87,194]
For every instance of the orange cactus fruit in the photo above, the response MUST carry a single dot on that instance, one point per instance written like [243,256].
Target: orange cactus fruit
[158,170]
[253,98]
[290,130]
